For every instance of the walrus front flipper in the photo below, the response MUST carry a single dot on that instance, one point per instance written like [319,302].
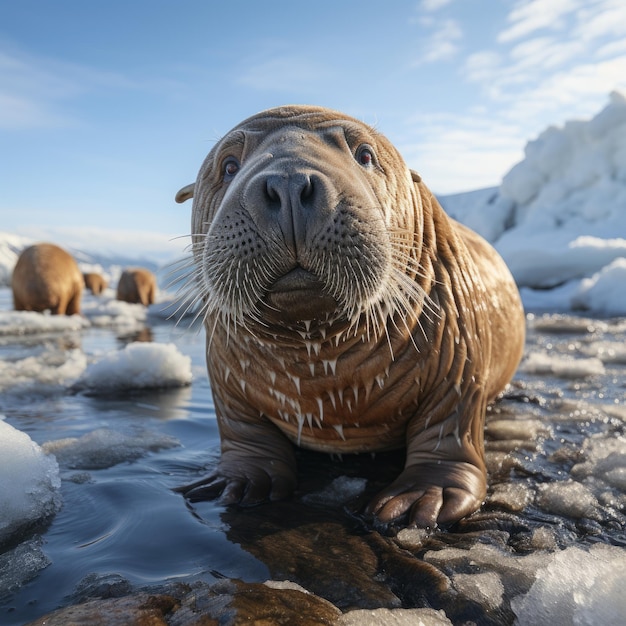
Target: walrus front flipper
[431,494]
[257,464]
[444,478]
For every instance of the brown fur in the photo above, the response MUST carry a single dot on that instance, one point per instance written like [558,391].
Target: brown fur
[137,286]
[96,283]
[345,312]
[46,277]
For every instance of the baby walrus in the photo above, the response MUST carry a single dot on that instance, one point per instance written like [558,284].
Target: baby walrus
[345,312]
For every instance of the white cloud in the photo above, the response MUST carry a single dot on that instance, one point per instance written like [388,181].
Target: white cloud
[456,154]
[529,16]
[441,44]
[606,18]
[430,6]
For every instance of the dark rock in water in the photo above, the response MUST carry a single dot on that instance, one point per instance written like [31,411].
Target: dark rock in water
[226,602]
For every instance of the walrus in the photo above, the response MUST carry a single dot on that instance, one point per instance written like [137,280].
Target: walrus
[137,286]
[96,283]
[46,277]
[345,312]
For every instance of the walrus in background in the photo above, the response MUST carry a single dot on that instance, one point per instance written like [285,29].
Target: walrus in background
[96,283]
[137,286]
[46,277]
[344,312]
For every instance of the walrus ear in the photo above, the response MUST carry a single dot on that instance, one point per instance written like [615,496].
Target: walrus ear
[185,193]
[414,175]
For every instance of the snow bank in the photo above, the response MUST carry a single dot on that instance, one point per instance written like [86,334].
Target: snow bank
[138,366]
[104,448]
[10,247]
[559,216]
[30,483]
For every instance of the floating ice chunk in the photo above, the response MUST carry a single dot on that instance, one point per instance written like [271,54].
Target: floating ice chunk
[21,564]
[568,498]
[394,617]
[561,366]
[104,448]
[607,351]
[485,589]
[29,481]
[49,371]
[138,366]
[512,496]
[577,587]
[103,312]
[31,322]
[605,458]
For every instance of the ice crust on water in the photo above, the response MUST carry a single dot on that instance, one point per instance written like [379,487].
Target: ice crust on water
[29,481]
[138,366]
[21,564]
[340,490]
[30,322]
[579,587]
[104,448]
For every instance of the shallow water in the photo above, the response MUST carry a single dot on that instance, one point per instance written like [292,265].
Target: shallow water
[121,527]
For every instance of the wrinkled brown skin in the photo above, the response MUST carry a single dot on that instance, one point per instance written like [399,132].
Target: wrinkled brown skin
[137,286]
[46,277]
[423,385]
[96,283]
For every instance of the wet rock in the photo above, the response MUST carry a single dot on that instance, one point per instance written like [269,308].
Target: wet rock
[231,602]
[137,610]
[228,602]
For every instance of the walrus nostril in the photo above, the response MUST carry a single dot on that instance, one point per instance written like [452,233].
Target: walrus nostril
[274,190]
[283,191]
[306,191]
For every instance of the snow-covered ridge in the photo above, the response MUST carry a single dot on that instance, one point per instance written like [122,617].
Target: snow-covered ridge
[559,216]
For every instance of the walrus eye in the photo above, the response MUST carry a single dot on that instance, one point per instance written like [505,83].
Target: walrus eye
[230,167]
[364,155]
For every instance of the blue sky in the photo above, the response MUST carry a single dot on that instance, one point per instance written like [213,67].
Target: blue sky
[108,108]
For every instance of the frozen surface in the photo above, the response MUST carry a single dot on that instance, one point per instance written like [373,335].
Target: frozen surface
[580,587]
[30,483]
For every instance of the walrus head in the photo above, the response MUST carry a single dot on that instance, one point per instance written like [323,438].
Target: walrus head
[296,219]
